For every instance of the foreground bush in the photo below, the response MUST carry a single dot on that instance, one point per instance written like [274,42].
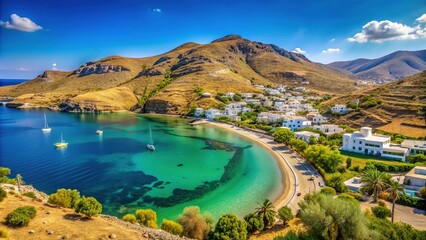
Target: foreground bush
[172,227]
[3,194]
[285,214]
[89,206]
[66,198]
[254,222]
[381,212]
[21,216]
[194,224]
[328,191]
[30,195]
[230,227]
[130,218]
[147,217]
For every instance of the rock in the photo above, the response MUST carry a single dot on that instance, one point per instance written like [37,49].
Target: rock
[31,232]
[50,232]
[64,237]
[44,222]
[112,236]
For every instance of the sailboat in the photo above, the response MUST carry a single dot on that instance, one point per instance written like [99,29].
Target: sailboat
[150,145]
[46,128]
[61,144]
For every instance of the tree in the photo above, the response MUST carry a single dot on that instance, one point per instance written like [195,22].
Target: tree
[285,214]
[381,212]
[267,213]
[328,191]
[66,198]
[348,162]
[21,216]
[147,217]
[19,181]
[327,217]
[130,218]
[298,144]
[254,222]
[194,224]
[230,227]
[395,189]
[283,135]
[416,158]
[3,194]
[374,181]
[324,156]
[172,227]
[422,193]
[313,140]
[89,206]
[4,172]
[337,183]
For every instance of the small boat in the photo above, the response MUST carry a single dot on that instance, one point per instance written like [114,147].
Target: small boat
[61,144]
[46,128]
[150,145]
[99,132]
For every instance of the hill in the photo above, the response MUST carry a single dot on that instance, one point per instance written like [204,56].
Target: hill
[391,67]
[167,82]
[401,107]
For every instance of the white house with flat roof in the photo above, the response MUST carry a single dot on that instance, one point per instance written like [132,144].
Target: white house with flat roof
[339,108]
[247,95]
[417,177]
[229,94]
[414,146]
[305,135]
[198,112]
[354,184]
[366,143]
[328,128]
[213,113]
[296,122]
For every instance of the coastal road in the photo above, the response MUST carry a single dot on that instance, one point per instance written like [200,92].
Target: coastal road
[297,170]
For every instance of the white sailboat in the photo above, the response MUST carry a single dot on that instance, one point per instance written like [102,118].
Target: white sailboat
[61,144]
[46,128]
[150,145]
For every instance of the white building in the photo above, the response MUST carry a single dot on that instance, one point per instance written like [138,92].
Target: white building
[247,95]
[235,118]
[261,87]
[290,114]
[414,146]
[417,177]
[281,88]
[301,89]
[213,113]
[253,101]
[366,143]
[269,117]
[206,95]
[328,128]
[305,135]
[295,122]
[229,94]
[354,184]
[245,110]
[319,119]
[272,91]
[339,108]
[231,111]
[267,103]
[198,112]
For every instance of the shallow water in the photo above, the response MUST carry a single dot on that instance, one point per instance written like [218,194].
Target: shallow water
[204,166]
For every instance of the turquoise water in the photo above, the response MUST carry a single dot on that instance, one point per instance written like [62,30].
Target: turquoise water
[204,166]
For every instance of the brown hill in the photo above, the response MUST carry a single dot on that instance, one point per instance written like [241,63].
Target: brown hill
[227,64]
[402,109]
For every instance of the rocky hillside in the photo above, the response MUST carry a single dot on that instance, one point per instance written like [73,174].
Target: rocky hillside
[401,107]
[391,67]
[166,83]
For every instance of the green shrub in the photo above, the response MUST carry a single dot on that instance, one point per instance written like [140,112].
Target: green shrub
[230,227]
[66,198]
[3,194]
[381,212]
[341,169]
[147,217]
[254,222]
[129,218]
[285,214]
[88,206]
[381,203]
[172,227]
[21,216]
[411,202]
[328,191]
[416,158]
[30,195]
[422,193]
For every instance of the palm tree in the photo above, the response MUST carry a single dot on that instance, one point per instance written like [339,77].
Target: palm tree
[375,181]
[394,188]
[267,212]
[19,181]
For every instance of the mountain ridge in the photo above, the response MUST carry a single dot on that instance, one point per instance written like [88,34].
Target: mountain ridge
[391,67]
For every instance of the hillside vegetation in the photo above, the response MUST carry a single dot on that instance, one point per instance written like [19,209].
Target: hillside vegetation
[397,107]
[229,64]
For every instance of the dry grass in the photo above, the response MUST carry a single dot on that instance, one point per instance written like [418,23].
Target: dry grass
[279,230]
[63,222]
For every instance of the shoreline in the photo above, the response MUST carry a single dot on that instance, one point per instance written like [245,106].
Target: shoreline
[286,196]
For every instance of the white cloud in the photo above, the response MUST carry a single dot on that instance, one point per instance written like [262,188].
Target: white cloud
[157,10]
[331,50]
[386,30]
[23,69]
[299,51]
[422,18]
[21,24]
[54,66]
[332,40]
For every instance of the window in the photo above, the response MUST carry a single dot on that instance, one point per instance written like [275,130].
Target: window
[360,148]
[372,145]
[393,153]
[353,148]
[354,141]
[360,142]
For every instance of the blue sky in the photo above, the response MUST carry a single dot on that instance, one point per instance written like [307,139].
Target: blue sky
[38,35]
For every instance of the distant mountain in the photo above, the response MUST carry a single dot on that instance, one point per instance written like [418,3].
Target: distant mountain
[391,67]
[228,64]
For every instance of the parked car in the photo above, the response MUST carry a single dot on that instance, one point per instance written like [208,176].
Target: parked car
[299,193]
[321,184]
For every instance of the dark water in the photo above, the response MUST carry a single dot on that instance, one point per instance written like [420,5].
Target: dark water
[7,82]
[204,166]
